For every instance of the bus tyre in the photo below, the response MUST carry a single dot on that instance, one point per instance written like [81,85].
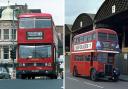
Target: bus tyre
[75,72]
[93,75]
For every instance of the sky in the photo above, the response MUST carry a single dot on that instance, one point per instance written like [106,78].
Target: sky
[63,11]
[54,7]
[74,8]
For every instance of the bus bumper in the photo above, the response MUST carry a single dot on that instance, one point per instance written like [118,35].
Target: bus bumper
[36,72]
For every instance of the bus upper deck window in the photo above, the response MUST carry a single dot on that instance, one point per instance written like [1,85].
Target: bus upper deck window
[112,37]
[102,36]
[74,40]
[89,37]
[81,39]
[93,36]
[85,38]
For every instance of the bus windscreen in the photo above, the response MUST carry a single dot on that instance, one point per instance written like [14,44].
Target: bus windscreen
[35,51]
[28,23]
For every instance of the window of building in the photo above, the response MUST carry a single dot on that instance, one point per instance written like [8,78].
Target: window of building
[6,52]
[81,24]
[13,32]
[6,34]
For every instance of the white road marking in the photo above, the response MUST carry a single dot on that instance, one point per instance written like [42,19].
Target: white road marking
[86,83]
[72,79]
[93,84]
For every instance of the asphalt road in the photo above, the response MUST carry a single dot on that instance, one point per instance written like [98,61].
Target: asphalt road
[85,83]
[32,84]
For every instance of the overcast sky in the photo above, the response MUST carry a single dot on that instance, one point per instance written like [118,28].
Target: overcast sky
[54,7]
[73,8]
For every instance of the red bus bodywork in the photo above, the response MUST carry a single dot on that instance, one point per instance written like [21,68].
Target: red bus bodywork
[28,66]
[90,52]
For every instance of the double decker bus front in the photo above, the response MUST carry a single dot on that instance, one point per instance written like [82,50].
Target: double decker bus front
[35,29]
[106,49]
[35,58]
[36,47]
[107,40]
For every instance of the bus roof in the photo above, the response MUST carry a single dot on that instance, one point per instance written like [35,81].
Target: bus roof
[97,30]
[35,15]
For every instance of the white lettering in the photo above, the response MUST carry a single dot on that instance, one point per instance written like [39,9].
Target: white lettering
[83,46]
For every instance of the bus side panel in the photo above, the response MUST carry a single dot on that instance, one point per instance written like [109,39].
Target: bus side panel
[98,66]
[86,68]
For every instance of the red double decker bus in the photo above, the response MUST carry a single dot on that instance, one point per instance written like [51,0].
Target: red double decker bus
[93,54]
[37,46]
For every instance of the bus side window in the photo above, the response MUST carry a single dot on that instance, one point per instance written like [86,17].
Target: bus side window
[76,58]
[88,58]
[77,40]
[81,57]
[94,58]
[85,58]
[85,38]
[81,39]
[93,36]
[89,37]
[74,41]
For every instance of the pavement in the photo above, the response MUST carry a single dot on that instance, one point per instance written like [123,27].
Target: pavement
[31,84]
[124,77]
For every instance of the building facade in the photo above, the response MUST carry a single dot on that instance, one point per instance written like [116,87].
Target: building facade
[8,35]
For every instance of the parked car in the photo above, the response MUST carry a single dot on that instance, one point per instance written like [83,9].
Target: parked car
[4,73]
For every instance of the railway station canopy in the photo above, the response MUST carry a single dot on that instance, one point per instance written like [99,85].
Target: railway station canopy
[111,14]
